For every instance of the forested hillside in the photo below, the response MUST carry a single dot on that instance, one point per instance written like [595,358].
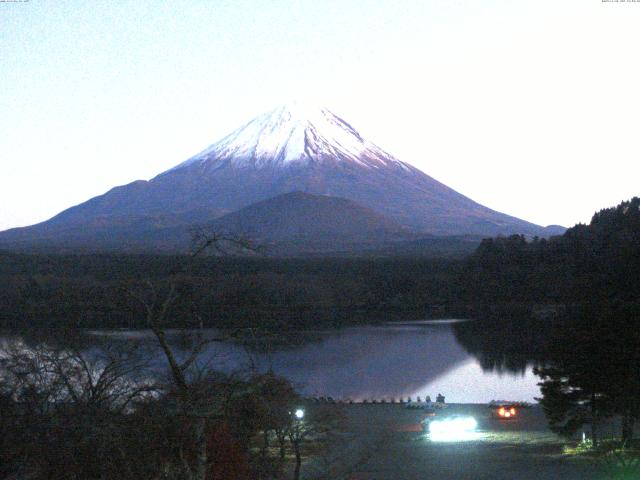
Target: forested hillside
[100,290]
[589,263]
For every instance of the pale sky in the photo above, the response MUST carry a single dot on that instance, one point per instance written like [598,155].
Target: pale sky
[529,107]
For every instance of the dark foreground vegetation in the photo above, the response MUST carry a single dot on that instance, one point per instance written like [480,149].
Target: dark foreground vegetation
[70,412]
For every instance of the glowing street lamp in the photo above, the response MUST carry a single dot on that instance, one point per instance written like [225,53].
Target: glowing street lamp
[299,413]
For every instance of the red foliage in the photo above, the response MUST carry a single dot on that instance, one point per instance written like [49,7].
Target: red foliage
[229,460]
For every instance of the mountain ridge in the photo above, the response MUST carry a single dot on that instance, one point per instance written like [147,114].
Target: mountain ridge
[288,149]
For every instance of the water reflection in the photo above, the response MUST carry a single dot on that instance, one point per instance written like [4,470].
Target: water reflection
[470,383]
[507,343]
[371,362]
[391,361]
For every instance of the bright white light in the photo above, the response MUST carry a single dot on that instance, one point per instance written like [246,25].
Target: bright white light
[299,414]
[453,429]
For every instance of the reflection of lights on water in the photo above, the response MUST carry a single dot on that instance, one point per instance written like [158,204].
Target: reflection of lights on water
[453,430]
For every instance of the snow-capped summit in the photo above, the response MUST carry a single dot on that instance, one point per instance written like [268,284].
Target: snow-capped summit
[296,132]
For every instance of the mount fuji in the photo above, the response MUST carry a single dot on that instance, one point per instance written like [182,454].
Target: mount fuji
[293,148]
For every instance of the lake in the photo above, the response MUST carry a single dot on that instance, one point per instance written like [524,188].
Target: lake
[374,362]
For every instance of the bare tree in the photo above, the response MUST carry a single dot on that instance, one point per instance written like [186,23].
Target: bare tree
[304,425]
[192,395]
[110,377]
[67,408]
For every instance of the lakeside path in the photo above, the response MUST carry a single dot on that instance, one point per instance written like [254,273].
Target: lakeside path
[385,442]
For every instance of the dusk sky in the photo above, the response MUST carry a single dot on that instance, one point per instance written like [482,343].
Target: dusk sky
[529,107]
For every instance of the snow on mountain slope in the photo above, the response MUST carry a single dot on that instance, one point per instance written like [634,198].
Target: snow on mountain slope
[293,133]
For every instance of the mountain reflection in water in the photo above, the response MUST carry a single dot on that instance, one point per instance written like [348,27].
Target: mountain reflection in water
[380,362]
[361,363]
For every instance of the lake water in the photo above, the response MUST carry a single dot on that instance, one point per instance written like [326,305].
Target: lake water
[377,362]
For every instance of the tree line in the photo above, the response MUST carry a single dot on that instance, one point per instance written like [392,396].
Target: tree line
[592,263]
[90,291]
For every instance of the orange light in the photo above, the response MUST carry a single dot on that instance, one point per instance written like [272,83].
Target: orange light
[513,411]
[501,412]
